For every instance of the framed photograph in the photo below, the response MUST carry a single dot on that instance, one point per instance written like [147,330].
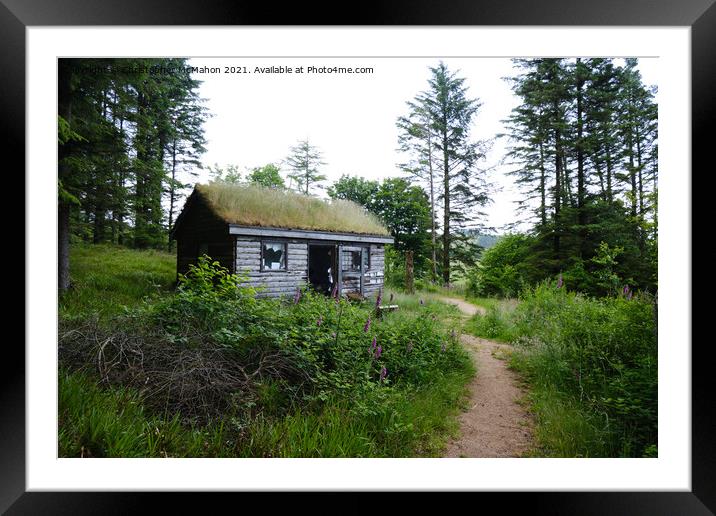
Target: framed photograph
[586,111]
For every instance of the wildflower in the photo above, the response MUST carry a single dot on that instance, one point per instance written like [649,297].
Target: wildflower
[333,334]
[297,296]
[559,281]
[366,327]
[372,345]
[334,292]
[378,352]
[625,290]
[629,294]
[383,373]
[379,298]
[319,321]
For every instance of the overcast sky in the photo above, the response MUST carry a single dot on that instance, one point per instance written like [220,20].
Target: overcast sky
[351,118]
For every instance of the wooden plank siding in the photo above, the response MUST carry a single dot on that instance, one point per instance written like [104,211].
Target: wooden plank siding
[372,277]
[275,283]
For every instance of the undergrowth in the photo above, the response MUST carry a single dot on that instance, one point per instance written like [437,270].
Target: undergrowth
[591,365]
[218,371]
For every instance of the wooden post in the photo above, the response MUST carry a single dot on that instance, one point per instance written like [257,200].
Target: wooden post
[409,272]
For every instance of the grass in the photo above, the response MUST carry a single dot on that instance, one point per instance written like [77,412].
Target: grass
[268,207]
[107,278]
[96,422]
[450,315]
[416,423]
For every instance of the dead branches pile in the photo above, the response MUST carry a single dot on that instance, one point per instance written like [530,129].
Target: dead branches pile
[200,382]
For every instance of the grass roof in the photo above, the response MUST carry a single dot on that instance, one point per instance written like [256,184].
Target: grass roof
[248,205]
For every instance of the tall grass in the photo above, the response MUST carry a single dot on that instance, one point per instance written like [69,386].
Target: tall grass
[257,206]
[592,366]
[112,422]
[106,278]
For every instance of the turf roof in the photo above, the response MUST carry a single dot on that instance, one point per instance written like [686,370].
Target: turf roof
[249,205]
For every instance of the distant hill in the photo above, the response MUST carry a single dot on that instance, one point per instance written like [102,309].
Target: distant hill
[486,241]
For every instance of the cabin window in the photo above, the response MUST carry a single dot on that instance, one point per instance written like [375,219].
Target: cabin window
[366,258]
[358,257]
[354,261]
[273,256]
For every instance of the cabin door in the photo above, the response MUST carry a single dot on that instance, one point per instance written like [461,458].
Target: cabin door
[322,261]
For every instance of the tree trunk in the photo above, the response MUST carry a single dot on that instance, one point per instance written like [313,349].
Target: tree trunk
[557,187]
[542,186]
[409,272]
[64,105]
[581,214]
[63,246]
[172,193]
[432,205]
[446,215]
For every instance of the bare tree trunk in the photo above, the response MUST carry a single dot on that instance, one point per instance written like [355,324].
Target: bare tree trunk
[446,216]
[63,246]
[432,205]
[409,272]
[172,194]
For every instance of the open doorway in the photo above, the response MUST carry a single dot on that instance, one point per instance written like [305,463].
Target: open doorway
[322,267]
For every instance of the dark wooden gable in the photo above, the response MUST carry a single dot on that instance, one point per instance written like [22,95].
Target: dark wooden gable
[199,230]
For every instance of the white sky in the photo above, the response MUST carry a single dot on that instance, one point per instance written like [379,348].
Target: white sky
[351,118]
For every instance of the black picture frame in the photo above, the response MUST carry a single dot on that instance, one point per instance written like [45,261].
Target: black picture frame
[700,15]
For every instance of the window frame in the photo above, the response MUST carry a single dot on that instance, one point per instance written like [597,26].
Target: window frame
[262,268]
[366,250]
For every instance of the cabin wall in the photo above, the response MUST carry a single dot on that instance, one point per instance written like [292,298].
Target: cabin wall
[372,277]
[248,262]
[201,230]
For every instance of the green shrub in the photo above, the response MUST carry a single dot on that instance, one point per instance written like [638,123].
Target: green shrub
[214,353]
[600,352]
[501,270]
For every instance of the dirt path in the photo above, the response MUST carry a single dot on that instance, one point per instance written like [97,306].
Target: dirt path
[495,424]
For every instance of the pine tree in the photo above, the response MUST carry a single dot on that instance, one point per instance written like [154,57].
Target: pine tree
[304,161]
[446,113]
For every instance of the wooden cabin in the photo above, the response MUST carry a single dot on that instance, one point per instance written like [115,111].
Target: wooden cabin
[283,240]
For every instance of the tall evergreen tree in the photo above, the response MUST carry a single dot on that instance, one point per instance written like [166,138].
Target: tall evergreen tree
[442,116]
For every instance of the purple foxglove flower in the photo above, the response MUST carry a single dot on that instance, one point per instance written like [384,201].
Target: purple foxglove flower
[629,294]
[559,281]
[379,298]
[383,373]
[378,352]
[334,293]
[625,290]
[373,344]
[366,327]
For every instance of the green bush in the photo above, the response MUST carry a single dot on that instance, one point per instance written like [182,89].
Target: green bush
[213,352]
[601,352]
[501,270]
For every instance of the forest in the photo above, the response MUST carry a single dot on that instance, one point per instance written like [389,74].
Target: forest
[570,288]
